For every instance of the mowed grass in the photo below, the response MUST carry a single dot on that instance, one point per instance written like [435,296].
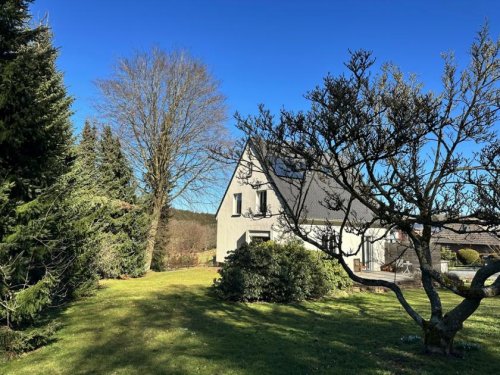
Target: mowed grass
[169,323]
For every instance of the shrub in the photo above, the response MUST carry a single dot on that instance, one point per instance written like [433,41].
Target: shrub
[468,257]
[278,273]
[449,255]
[13,342]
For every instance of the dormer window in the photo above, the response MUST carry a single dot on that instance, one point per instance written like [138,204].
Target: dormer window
[262,202]
[237,204]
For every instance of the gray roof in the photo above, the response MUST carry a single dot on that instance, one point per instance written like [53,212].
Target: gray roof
[311,195]
[460,234]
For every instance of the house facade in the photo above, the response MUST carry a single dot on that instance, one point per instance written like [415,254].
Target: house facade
[255,200]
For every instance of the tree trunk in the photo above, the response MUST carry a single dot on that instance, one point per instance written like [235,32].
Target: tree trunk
[438,339]
[159,259]
[153,233]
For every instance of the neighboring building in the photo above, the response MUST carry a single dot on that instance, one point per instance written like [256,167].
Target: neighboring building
[461,236]
[254,199]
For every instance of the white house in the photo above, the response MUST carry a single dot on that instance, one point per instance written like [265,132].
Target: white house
[250,209]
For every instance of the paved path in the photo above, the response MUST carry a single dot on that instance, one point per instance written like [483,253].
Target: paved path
[387,276]
[470,273]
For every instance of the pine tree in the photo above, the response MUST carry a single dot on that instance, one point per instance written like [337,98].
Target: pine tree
[115,173]
[41,254]
[35,129]
[86,159]
[88,143]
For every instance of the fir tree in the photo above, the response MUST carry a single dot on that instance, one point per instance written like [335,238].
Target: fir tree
[41,254]
[86,159]
[35,129]
[114,170]
[88,143]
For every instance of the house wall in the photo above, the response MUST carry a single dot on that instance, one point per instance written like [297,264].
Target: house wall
[232,230]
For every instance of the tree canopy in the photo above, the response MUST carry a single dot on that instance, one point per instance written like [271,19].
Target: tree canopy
[418,161]
[168,112]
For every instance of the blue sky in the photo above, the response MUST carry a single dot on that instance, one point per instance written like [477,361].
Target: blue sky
[268,52]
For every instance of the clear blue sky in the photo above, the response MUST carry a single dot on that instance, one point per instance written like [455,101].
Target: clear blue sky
[268,52]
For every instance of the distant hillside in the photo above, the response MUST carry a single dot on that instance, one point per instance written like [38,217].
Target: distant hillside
[202,218]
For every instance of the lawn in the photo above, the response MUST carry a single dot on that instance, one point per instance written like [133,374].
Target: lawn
[169,323]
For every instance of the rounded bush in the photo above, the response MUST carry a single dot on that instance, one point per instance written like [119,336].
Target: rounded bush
[468,257]
[278,273]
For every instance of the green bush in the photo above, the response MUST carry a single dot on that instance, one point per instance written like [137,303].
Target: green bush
[468,257]
[278,273]
[26,304]
[449,255]
[14,342]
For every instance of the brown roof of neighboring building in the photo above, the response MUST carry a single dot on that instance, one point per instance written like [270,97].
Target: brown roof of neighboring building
[460,234]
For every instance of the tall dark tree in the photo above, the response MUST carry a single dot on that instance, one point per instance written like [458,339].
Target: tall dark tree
[418,162]
[40,254]
[35,129]
[88,144]
[114,170]
[102,195]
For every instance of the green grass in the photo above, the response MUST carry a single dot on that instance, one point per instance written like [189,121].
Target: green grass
[168,323]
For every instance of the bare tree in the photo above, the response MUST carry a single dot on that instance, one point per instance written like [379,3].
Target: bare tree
[417,161]
[167,110]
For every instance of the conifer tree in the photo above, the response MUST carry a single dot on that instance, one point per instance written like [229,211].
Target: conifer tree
[35,129]
[114,170]
[41,257]
[88,143]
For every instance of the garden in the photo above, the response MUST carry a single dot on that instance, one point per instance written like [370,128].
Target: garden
[172,323]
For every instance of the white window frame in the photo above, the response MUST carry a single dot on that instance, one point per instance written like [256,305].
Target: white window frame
[259,205]
[258,233]
[235,204]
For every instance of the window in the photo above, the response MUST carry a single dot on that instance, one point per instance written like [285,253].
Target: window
[262,202]
[237,204]
[258,239]
[258,236]
[328,243]
[288,168]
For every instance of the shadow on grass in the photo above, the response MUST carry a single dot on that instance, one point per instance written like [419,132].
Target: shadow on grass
[185,330]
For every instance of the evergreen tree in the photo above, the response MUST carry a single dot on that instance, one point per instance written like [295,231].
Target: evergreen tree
[103,189]
[88,144]
[35,130]
[114,170]
[44,253]
[56,218]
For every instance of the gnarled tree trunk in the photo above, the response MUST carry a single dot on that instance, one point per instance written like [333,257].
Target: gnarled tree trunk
[438,338]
